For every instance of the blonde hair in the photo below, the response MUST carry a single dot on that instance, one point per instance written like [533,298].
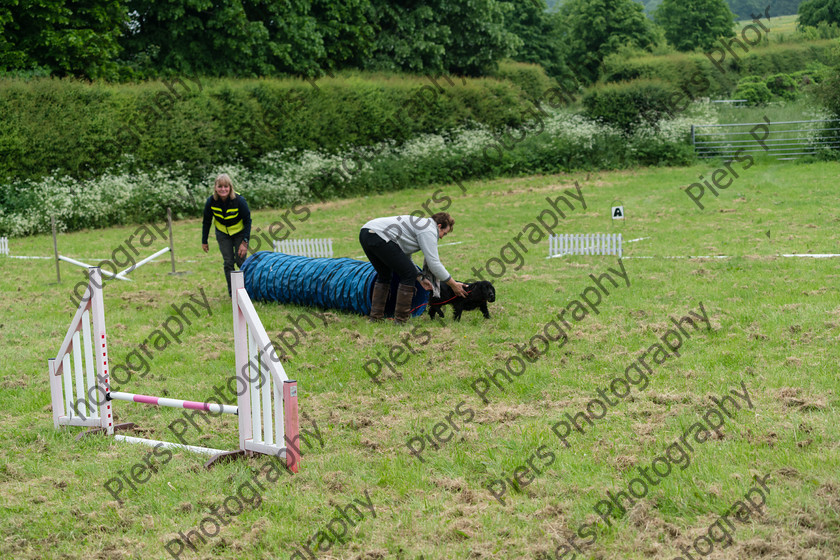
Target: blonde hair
[224,179]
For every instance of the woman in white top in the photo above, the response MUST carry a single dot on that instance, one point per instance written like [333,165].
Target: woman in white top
[387,242]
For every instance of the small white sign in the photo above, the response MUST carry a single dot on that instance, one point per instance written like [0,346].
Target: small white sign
[618,212]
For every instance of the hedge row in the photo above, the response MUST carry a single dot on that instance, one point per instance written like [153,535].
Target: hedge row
[697,74]
[66,127]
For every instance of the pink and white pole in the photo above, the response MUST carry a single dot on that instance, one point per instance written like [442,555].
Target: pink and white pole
[174,403]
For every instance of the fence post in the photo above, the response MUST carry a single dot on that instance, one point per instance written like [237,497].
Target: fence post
[171,242]
[55,249]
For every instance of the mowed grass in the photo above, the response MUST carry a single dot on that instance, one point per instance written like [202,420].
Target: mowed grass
[775,328]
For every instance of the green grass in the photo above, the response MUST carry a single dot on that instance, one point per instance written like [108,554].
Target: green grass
[782,27]
[775,327]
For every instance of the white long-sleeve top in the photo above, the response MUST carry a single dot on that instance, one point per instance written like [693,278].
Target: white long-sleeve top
[412,234]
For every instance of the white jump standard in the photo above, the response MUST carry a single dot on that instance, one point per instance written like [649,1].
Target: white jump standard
[584,244]
[81,395]
[313,248]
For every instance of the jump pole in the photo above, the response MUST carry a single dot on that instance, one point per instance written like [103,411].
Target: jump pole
[170,445]
[84,265]
[119,275]
[172,403]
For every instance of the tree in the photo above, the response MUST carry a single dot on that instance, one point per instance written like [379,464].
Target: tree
[467,37]
[346,31]
[812,12]
[224,38]
[601,27]
[68,38]
[543,36]
[479,38]
[744,9]
[695,24]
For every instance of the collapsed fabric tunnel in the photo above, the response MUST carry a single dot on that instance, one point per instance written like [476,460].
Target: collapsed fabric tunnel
[329,283]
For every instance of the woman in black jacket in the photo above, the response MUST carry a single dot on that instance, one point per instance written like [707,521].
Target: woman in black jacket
[229,212]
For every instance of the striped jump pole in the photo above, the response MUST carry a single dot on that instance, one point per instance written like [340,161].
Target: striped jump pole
[173,403]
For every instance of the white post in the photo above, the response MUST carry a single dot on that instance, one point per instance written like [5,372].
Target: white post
[91,378]
[290,415]
[268,433]
[80,376]
[55,393]
[67,375]
[240,341]
[100,350]
[255,377]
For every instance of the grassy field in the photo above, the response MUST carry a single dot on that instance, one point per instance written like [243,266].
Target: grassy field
[782,26]
[772,336]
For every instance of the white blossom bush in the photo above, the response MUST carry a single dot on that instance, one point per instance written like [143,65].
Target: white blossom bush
[557,141]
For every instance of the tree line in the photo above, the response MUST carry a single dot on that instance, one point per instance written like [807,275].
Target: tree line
[743,9]
[139,39]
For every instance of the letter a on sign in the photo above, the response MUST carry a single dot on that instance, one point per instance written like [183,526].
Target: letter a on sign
[618,212]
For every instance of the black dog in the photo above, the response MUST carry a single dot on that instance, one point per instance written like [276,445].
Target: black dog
[478,294]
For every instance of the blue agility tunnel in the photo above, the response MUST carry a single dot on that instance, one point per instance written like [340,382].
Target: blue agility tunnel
[343,283]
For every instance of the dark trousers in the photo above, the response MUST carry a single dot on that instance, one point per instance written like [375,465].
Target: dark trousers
[387,259]
[229,246]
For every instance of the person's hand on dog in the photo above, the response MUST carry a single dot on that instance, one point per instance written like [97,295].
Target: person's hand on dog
[457,287]
[427,285]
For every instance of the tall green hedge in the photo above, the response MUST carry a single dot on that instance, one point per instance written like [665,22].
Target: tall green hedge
[628,105]
[81,129]
[530,77]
